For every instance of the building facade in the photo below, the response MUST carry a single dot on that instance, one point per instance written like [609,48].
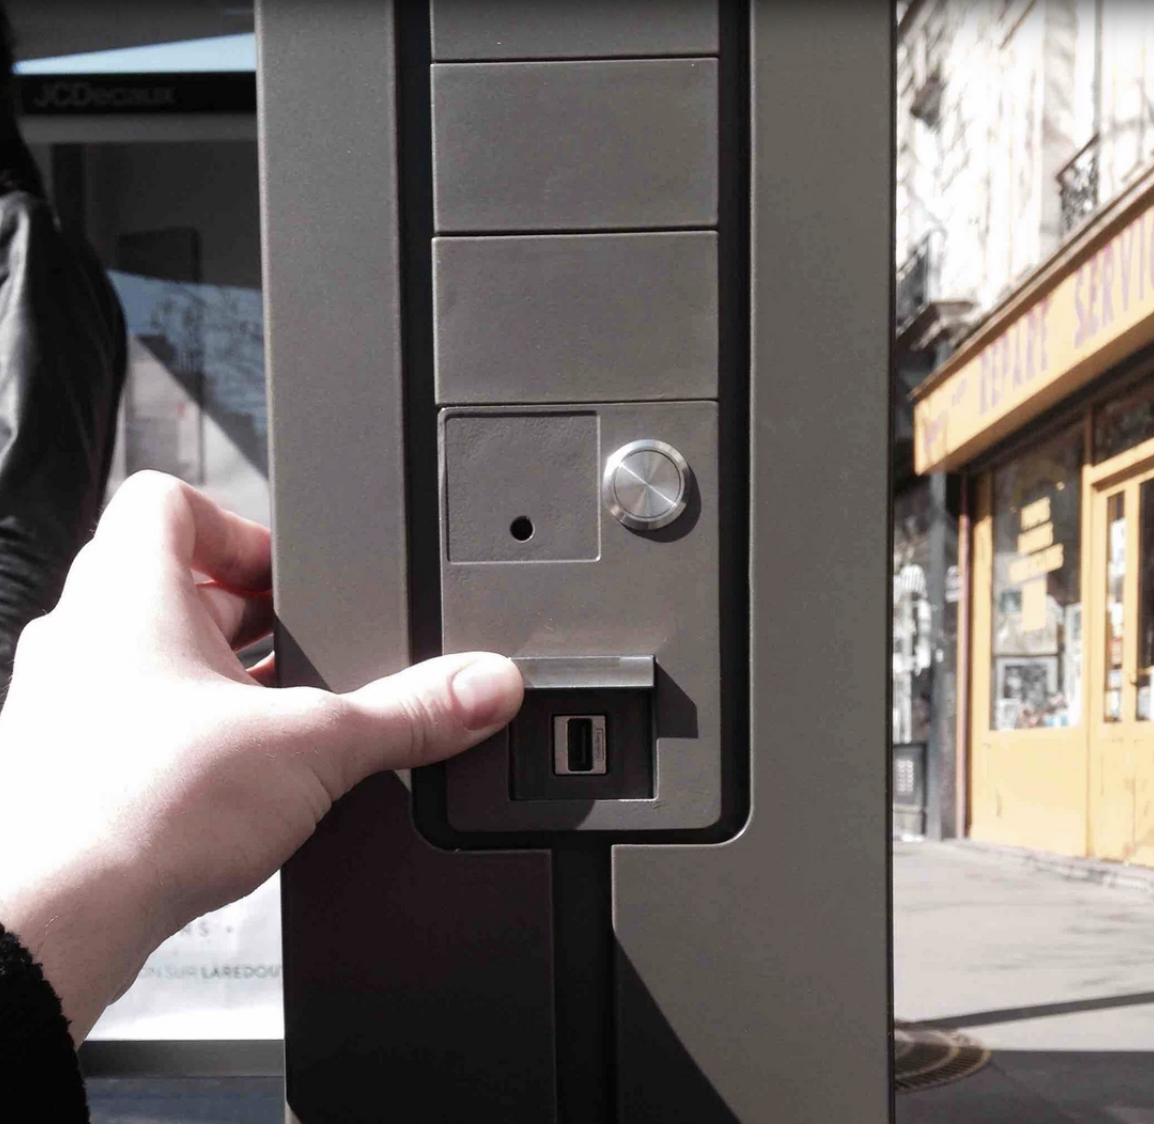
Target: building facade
[1026,339]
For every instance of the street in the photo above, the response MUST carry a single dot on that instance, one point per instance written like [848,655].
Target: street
[1053,972]
[225,1100]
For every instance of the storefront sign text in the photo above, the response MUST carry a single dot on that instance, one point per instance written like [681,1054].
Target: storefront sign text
[1046,350]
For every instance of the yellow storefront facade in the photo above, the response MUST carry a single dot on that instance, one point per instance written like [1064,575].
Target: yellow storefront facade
[1047,411]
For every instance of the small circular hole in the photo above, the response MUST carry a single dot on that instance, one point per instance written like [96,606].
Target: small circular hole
[521,528]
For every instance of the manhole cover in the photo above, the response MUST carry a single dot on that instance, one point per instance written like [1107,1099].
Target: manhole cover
[924,1058]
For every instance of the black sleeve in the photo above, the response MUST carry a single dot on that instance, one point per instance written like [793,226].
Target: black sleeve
[62,364]
[39,1074]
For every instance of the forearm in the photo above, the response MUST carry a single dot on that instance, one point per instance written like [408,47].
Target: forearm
[87,926]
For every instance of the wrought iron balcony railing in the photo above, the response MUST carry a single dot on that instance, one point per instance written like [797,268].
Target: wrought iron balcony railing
[1078,185]
[912,292]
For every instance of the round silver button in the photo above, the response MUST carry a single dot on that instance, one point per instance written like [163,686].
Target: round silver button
[646,484]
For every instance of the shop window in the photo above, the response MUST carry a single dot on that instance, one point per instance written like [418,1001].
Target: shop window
[1036,670]
[1125,422]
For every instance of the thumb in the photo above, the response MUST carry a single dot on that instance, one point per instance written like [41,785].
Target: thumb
[427,712]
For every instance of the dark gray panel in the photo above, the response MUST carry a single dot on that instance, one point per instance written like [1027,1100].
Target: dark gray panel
[418,982]
[574,145]
[517,29]
[413,977]
[647,594]
[753,976]
[576,318]
[503,473]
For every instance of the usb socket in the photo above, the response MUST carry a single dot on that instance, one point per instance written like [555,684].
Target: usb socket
[579,745]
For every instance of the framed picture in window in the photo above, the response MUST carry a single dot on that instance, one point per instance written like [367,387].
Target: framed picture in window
[1026,693]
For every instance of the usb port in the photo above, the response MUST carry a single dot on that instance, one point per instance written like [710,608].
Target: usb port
[579,745]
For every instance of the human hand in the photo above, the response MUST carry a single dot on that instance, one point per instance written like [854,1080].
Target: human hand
[148,777]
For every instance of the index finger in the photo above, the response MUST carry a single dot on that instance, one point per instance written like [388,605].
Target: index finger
[154,515]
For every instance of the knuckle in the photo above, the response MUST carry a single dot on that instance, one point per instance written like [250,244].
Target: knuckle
[424,721]
[148,488]
[34,641]
[319,710]
[325,720]
[85,557]
[150,510]
[84,566]
[330,719]
[32,631]
[151,482]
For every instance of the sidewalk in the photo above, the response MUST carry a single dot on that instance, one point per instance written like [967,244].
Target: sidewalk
[1050,966]
[196,1100]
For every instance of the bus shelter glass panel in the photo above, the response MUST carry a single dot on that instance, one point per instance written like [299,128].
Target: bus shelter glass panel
[176,224]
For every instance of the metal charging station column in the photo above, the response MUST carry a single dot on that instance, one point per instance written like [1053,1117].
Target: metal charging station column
[578,329]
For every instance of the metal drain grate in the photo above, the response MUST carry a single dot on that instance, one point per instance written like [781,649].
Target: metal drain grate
[924,1058]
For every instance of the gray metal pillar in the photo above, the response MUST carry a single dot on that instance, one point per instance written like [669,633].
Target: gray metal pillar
[459,949]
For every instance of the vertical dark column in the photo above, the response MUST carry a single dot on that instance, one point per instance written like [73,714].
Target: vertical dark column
[583,982]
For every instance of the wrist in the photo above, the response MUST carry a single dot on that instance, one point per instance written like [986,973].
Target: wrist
[90,926]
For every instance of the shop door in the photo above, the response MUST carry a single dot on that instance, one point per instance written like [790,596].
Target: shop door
[1121,638]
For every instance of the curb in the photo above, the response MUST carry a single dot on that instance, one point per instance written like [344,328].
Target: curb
[1094,871]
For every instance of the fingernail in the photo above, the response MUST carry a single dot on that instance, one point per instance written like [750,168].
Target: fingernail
[487,692]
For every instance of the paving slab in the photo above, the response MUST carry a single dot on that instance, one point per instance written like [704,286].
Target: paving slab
[1049,963]
[188,1100]
[989,1096]
[1022,958]
[1045,1087]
